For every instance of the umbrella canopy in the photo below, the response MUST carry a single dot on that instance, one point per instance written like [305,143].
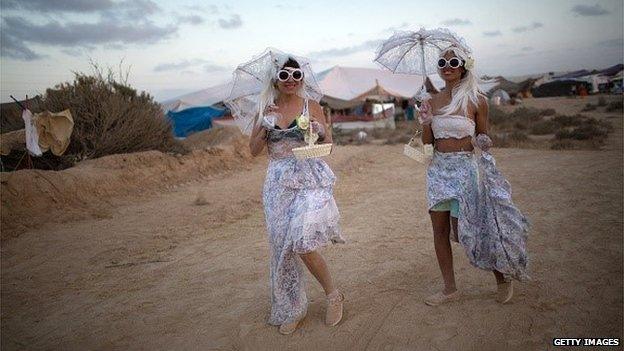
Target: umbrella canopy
[417,52]
[251,77]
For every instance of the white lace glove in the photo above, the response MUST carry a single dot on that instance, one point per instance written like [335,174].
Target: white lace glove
[483,142]
[425,116]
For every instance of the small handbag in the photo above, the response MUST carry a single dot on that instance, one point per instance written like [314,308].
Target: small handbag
[416,150]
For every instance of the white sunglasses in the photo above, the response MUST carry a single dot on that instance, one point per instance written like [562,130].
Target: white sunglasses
[296,74]
[454,62]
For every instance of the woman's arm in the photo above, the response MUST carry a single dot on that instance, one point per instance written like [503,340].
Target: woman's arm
[317,114]
[427,134]
[481,118]
[482,140]
[257,141]
[426,115]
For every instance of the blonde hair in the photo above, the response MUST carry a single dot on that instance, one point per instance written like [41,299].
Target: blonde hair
[468,90]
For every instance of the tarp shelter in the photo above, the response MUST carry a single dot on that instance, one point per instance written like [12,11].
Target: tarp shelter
[347,87]
[193,119]
[195,111]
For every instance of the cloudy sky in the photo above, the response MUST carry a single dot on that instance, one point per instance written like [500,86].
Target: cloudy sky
[173,47]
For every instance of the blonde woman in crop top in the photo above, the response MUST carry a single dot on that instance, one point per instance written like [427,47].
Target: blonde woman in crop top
[454,121]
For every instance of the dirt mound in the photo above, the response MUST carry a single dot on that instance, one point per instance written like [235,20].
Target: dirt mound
[212,137]
[33,197]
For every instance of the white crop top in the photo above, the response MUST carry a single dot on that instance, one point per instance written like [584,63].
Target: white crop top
[452,126]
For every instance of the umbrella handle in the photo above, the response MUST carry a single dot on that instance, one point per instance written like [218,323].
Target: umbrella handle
[17,102]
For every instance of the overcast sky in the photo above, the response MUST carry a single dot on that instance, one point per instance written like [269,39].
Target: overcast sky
[174,47]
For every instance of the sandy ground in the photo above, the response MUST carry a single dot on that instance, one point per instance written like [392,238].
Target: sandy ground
[161,273]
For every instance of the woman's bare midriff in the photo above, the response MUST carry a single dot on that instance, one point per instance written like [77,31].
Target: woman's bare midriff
[453,145]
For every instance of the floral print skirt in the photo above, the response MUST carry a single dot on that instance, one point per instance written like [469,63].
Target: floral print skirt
[301,216]
[490,227]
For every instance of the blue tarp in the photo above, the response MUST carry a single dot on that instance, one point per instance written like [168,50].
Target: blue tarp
[193,119]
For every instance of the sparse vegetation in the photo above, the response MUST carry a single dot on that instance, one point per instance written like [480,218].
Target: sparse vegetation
[110,117]
[615,106]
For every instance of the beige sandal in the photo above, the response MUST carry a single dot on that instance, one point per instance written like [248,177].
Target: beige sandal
[290,328]
[504,292]
[333,315]
[440,298]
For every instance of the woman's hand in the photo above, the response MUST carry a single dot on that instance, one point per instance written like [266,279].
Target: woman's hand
[270,116]
[484,142]
[268,122]
[425,114]
[318,128]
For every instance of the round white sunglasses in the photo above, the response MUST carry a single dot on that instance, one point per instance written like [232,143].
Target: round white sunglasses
[454,62]
[296,74]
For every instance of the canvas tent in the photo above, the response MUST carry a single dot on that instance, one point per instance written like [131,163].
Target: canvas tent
[347,87]
[205,97]
[500,96]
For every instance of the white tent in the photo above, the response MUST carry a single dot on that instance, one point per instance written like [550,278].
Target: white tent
[205,97]
[500,96]
[344,87]
[347,86]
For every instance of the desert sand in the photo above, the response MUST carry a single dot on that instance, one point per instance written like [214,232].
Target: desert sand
[154,270]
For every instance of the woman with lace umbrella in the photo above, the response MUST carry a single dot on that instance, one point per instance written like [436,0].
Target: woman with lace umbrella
[465,193]
[275,99]
[415,52]
[245,100]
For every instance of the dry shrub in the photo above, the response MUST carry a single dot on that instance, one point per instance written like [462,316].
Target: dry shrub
[588,129]
[615,106]
[589,107]
[544,127]
[109,116]
[602,101]
[548,112]
[568,121]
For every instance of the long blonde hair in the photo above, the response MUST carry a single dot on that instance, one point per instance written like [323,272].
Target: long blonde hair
[469,89]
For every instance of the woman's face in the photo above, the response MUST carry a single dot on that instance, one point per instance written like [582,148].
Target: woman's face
[290,85]
[448,73]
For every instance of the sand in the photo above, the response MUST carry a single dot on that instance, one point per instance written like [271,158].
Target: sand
[164,271]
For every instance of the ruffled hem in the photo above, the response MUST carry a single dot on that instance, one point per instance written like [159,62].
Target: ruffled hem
[307,174]
[315,239]
[491,230]
[279,320]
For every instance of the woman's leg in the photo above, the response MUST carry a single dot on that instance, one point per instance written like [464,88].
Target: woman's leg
[500,278]
[441,229]
[317,266]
